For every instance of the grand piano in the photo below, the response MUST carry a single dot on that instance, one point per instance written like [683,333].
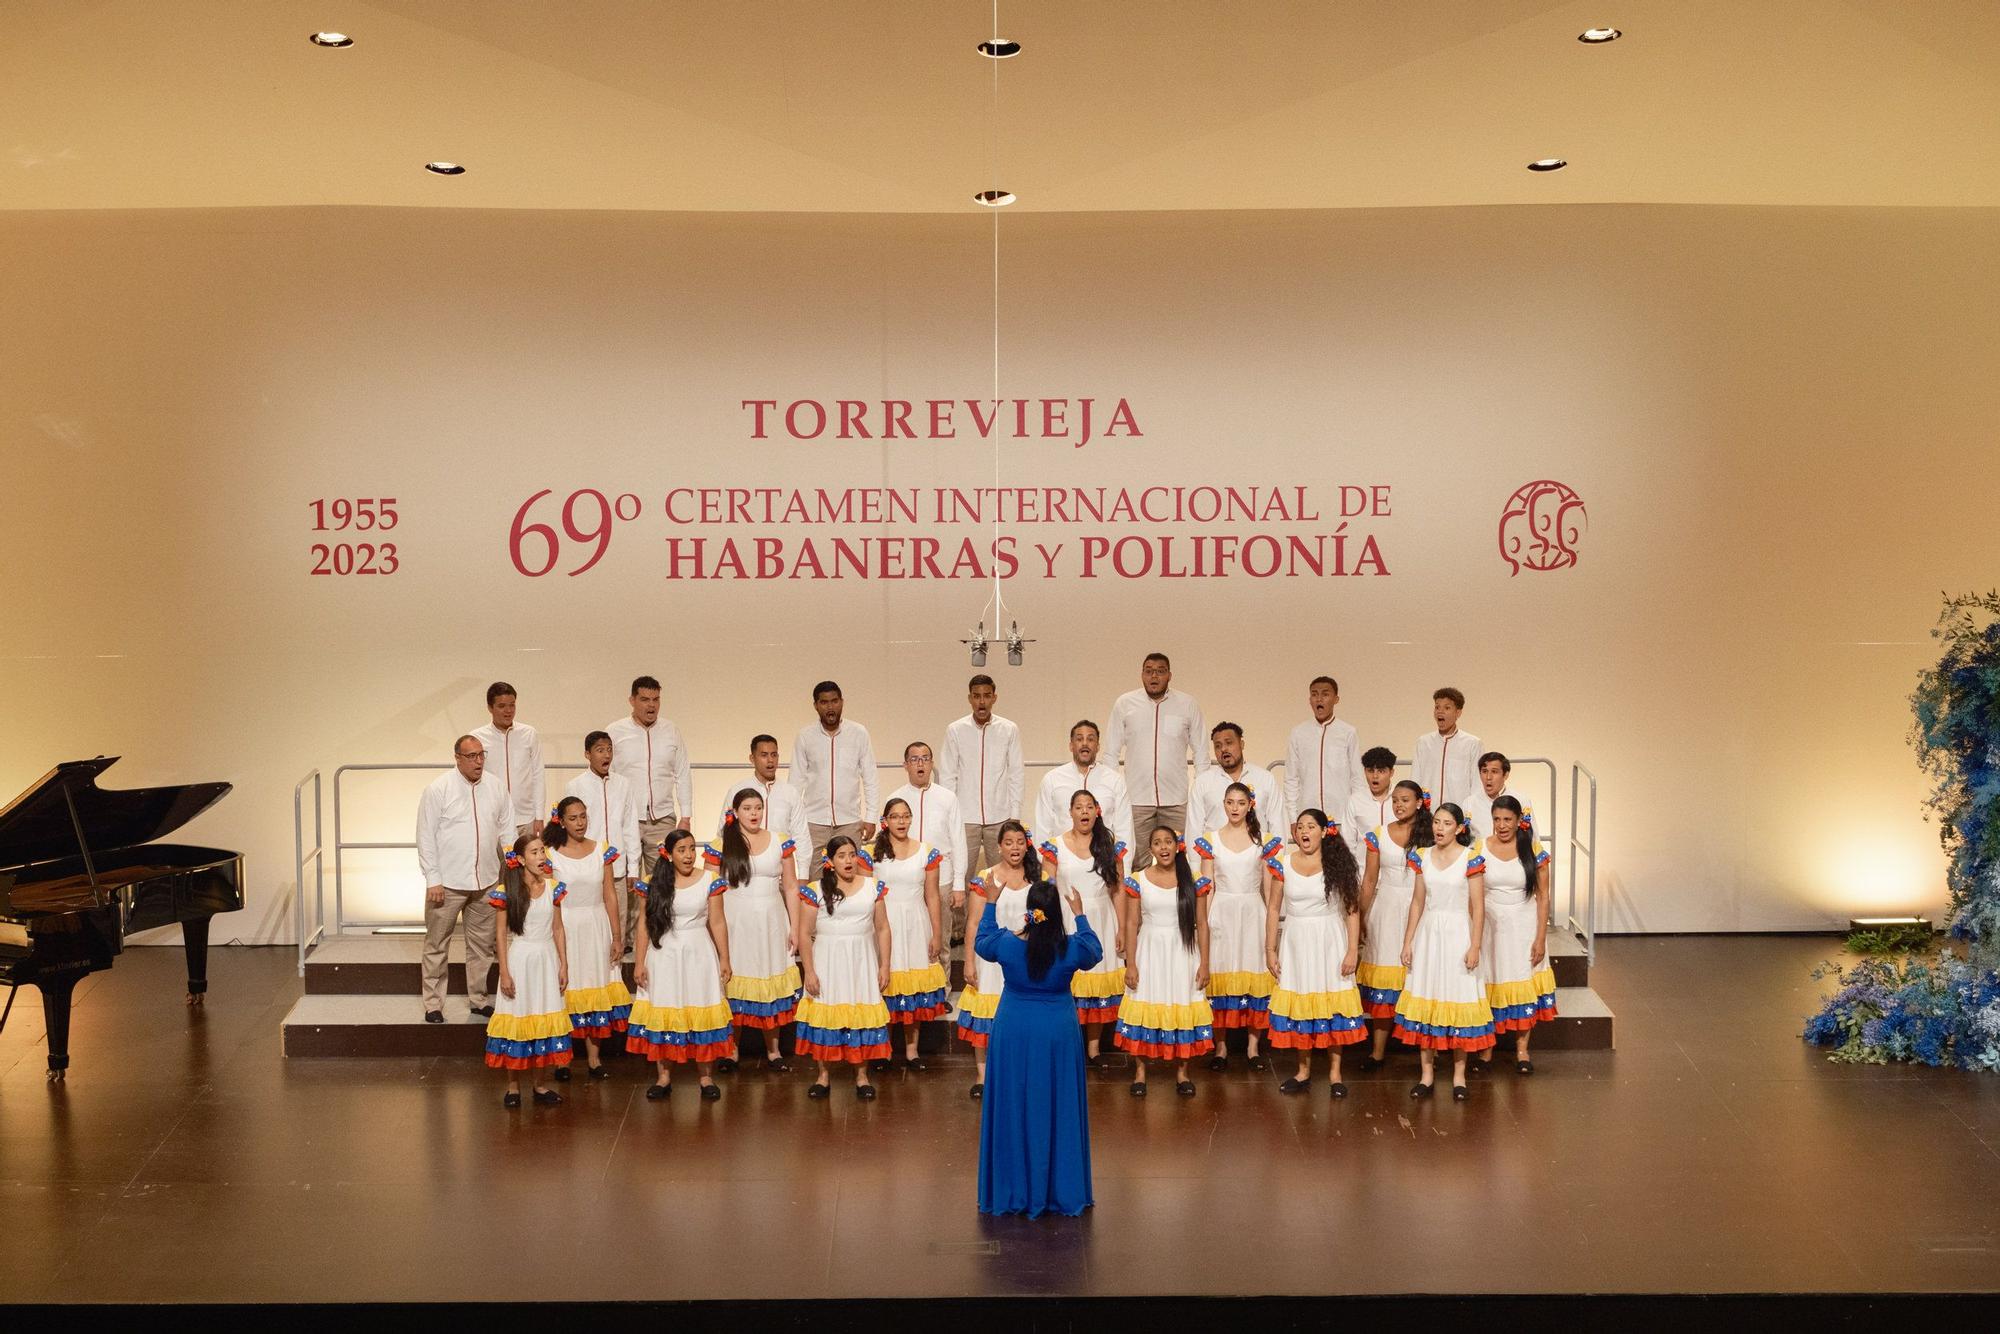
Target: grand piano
[79,872]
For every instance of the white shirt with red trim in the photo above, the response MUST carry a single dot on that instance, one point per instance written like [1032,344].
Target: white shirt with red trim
[1059,785]
[984,767]
[1322,767]
[1156,738]
[654,760]
[1447,767]
[614,817]
[461,828]
[1205,804]
[835,774]
[515,758]
[937,818]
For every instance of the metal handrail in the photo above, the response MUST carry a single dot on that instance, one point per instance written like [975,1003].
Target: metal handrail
[341,845]
[1586,931]
[1548,812]
[300,856]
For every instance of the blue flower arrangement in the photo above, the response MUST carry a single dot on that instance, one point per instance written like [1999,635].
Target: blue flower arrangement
[1941,1006]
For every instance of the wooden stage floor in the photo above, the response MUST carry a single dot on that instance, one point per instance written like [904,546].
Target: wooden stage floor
[187,1160]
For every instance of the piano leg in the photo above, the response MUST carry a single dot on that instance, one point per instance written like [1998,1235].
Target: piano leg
[56,992]
[194,937]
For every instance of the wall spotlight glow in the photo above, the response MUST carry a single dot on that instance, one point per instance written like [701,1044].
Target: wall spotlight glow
[999,49]
[1598,36]
[1548,164]
[333,39]
[995,198]
[445,168]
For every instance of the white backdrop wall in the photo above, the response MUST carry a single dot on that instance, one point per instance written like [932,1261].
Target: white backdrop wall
[1781,423]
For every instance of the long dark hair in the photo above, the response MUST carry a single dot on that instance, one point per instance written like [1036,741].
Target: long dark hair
[554,836]
[1336,862]
[1249,816]
[1046,939]
[1464,839]
[660,894]
[1524,841]
[1184,891]
[885,844]
[1421,836]
[735,847]
[1031,865]
[829,882]
[515,880]
[1103,847]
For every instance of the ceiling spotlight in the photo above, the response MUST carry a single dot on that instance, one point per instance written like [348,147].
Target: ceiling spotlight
[999,49]
[332,39]
[978,645]
[1597,36]
[445,168]
[1548,164]
[995,198]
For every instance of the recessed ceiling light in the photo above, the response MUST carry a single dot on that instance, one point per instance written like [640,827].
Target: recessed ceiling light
[1595,36]
[995,198]
[1548,164]
[445,168]
[999,48]
[332,39]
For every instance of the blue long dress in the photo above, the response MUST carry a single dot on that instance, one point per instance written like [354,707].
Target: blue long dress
[1034,1124]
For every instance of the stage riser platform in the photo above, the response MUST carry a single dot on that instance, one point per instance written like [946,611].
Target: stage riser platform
[393,966]
[393,1025]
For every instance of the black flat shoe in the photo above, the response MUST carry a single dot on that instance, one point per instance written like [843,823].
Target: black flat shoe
[1460,1093]
[547,1097]
[1336,1089]
[659,1092]
[726,1066]
[880,1067]
[1185,1088]
[916,1063]
[1218,1062]
[600,1072]
[1260,1062]
[481,1012]
[1139,1089]
[1524,1067]
[818,1091]
[979,1092]
[1370,1064]
[1292,1086]
[865,1092]
[1095,1062]
[511,1100]
[433,1016]
[709,1093]
[561,1075]
[779,1067]
[1421,1090]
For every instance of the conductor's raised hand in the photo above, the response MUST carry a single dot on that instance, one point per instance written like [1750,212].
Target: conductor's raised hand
[1075,902]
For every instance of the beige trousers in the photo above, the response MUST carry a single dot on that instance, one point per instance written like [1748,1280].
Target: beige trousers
[439,922]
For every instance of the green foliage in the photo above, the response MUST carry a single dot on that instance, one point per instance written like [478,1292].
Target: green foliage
[1907,939]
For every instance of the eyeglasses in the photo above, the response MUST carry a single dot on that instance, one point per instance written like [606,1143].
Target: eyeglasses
[470,754]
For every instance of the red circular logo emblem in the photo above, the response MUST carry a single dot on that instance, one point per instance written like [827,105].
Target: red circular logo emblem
[1540,526]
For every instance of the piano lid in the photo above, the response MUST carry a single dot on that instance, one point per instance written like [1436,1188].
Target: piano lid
[35,826]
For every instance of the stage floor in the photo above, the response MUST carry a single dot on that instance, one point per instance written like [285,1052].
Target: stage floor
[186,1160]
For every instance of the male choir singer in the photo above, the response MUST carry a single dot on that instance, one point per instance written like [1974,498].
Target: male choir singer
[462,821]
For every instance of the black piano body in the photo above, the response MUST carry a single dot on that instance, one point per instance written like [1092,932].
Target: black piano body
[79,872]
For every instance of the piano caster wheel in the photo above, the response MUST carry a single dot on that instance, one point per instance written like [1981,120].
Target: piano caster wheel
[56,1076]
[195,999]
